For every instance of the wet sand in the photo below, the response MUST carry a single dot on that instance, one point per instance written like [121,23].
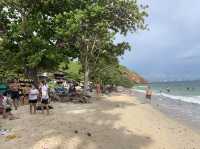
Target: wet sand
[118,121]
[184,112]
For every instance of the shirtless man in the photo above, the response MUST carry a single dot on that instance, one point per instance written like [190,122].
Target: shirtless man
[14,88]
[98,89]
[149,93]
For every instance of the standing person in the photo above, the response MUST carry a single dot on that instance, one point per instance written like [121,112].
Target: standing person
[21,96]
[149,93]
[26,91]
[98,89]
[33,96]
[66,87]
[5,105]
[45,97]
[14,88]
[40,90]
[168,89]
[72,89]
[22,93]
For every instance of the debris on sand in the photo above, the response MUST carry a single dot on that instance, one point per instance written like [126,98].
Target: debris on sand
[89,134]
[76,131]
[10,137]
[4,132]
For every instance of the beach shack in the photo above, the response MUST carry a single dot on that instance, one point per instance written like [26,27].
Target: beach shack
[43,76]
[59,77]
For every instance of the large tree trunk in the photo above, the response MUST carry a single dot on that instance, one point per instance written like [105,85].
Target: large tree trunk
[32,73]
[35,78]
[86,76]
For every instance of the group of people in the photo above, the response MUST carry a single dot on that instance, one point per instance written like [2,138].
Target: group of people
[73,88]
[35,94]
[39,95]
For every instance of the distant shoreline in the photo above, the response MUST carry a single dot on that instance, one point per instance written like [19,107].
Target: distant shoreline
[175,109]
[175,81]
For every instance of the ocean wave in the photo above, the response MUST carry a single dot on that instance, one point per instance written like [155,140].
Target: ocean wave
[191,99]
[188,99]
[138,90]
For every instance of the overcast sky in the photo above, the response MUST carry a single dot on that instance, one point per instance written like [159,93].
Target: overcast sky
[171,49]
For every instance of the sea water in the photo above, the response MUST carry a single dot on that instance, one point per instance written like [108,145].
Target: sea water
[180,100]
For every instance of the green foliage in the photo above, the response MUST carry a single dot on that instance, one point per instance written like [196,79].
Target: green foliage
[113,74]
[91,29]
[45,35]
[72,70]
[29,42]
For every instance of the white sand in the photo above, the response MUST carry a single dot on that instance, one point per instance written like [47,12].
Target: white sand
[115,122]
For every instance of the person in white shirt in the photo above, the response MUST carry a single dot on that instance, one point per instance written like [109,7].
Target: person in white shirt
[45,97]
[33,97]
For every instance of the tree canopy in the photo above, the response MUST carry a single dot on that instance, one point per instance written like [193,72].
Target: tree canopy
[39,35]
[29,43]
[91,28]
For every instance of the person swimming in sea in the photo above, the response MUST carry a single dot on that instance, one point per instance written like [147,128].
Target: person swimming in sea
[168,89]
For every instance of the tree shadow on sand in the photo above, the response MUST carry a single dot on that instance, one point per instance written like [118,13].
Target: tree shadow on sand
[93,128]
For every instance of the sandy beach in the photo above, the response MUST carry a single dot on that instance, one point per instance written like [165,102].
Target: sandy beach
[117,121]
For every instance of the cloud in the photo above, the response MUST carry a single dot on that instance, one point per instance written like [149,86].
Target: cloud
[171,43]
[191,54]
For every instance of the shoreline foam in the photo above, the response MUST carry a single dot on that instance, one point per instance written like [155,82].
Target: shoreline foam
[188,99]
[185,112]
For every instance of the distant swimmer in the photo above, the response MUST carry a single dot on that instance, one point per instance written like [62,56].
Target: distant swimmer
[188,88]
[168,89]
[148,93]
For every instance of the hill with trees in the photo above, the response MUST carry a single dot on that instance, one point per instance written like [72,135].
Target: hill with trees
[120,75]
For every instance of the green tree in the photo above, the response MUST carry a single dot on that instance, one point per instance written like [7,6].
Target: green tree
[72,70]
[112,74]
[29,43]
[93,25]
[40,34]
